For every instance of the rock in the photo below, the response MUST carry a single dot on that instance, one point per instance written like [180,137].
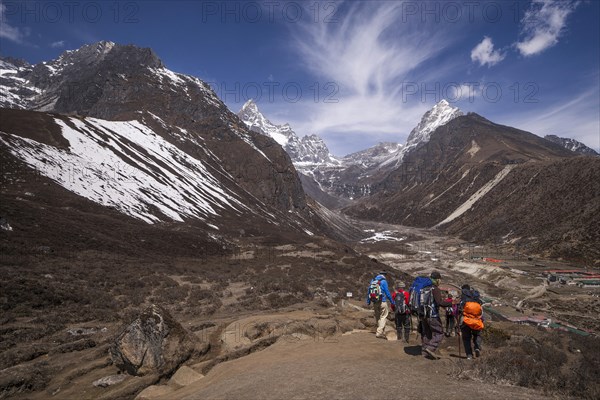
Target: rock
[154,392]
[184,376]
[109,380]
[153,343]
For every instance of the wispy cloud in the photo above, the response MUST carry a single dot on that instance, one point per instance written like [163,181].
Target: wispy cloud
[543,24]
[576,118]
[484,53]
[58,44]
[8,31]
[370,55]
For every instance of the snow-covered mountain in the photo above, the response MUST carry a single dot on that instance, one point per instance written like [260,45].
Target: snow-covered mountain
[374,155]
[306,151]
[439,115]
[354,175]
[155,182]
[572,144]
[201,163]
[360,173]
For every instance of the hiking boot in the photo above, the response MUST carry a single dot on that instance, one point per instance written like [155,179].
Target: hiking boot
[469,357]
[431,354]
[381,337]
[477,353]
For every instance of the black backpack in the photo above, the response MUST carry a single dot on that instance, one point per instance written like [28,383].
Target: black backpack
[401,307]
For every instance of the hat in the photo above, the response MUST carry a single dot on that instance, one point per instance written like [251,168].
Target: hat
[400,285]
[466,286]
[435,275]
[383,273]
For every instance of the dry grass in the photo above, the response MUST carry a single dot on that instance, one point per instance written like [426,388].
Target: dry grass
[556,363]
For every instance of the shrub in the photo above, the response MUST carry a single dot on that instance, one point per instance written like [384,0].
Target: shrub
[544,364]
[495,337]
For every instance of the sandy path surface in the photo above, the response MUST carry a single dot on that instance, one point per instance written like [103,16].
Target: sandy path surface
[355,366]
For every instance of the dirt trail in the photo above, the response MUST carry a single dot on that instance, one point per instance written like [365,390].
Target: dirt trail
[355,366]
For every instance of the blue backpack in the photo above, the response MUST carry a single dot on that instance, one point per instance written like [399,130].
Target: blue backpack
[421,297]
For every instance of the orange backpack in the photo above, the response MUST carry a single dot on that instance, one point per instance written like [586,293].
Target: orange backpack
[472,315]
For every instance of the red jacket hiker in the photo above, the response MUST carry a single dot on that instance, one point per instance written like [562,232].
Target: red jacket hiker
[406,296]
[403,320]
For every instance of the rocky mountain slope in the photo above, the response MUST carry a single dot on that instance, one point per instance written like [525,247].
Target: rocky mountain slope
[489,182]
[201,162]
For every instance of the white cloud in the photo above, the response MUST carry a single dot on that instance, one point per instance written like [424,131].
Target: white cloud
[57,44]
[10,32]
[465,91]
[484,53]
[543,24]
[369,55]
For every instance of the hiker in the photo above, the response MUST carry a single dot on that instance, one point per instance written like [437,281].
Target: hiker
[471,321]
[378,294]
[450,317]
[402,311]
[431,328]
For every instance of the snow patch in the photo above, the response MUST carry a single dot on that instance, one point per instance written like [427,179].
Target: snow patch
[127,166]
[384,236]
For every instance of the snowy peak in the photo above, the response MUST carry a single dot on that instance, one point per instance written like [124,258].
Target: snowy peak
[250,107]
[310,149]
[572,144]
[313,150]
[439,115]
[256,121]
[373,155]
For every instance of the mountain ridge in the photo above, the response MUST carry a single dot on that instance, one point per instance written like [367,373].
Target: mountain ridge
[112,82]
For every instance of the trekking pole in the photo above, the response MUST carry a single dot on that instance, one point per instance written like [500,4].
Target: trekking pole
[457,329]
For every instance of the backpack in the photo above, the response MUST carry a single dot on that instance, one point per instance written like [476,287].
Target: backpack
[468,295]
[472,312]
[375,290]
[401,307]
[421,297]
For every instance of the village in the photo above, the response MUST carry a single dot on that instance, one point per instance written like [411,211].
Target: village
[556,286]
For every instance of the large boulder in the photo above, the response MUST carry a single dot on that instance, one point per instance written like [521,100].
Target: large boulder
[154,343]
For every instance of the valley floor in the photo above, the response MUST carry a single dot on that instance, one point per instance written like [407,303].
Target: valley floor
[272,320]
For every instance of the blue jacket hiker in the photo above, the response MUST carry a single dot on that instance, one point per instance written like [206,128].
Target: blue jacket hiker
[430,324]
[379,294]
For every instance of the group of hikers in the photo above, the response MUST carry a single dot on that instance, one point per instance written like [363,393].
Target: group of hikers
[464,315]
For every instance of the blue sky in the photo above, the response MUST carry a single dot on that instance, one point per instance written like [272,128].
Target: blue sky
[354,72]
